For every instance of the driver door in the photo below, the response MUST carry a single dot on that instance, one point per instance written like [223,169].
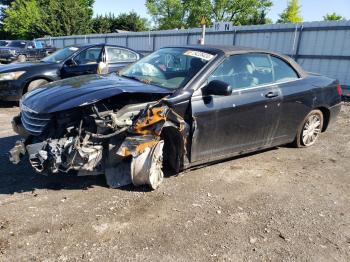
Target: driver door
[243,121]
[86,62]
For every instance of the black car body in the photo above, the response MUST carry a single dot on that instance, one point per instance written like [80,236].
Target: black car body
[23,50]
[181,107]
[18,78]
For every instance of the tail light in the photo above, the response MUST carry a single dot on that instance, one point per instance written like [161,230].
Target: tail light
[339,90]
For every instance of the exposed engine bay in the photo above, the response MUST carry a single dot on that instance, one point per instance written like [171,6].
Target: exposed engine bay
[126,142]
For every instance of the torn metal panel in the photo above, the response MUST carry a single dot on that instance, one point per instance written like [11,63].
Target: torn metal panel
[136,145]
[146,130]
[17,151]
[126,145]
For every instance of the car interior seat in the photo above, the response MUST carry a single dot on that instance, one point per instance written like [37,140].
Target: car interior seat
[196,65]
[243,75]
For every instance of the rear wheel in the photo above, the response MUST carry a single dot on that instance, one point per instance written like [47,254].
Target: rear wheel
[21,58]
[36,83]
[310,129]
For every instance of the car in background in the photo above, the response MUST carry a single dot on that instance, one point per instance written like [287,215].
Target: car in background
[176,108]
[4,42]
[21,51]
[18,78]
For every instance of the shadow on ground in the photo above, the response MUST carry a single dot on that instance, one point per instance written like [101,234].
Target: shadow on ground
[6,104]
[21,178]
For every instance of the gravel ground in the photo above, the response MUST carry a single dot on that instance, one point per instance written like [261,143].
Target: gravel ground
[281,204]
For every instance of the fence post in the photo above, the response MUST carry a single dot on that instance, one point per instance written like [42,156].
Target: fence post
[188,38]
[234,37]
[296,55]
[127,40]
[154,43]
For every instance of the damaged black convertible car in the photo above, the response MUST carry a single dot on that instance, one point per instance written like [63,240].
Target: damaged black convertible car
[176,108]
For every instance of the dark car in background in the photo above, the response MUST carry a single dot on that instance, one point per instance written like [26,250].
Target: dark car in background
[21,51]
[4,42]
[18,78]
[176,108]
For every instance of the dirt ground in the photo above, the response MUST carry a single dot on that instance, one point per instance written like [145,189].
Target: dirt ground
[282,204]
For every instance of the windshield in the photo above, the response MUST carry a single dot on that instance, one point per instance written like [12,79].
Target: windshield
[60,55]
[168,67]
[19,44]
[3,43]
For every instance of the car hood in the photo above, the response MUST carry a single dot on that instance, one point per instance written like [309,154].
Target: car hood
[9,48]
[83,90]
[22,66]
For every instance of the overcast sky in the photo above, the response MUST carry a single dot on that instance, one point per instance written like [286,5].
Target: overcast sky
[312,10]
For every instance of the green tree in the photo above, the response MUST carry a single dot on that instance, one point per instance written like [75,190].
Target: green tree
[333,17]
[169,14]
[18,23]
[65,17]
[291,14]
[102,24]
[257,16]
[35,18]
[130,22]
[126,21]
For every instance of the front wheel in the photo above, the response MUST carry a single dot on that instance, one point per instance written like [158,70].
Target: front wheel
[36,83]
[310,129]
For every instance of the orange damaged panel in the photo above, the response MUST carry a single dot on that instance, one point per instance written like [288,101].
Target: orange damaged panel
[124,151]
[147,124]
[136,145]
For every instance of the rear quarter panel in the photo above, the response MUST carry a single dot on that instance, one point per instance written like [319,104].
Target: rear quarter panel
[325,91]
[302,96]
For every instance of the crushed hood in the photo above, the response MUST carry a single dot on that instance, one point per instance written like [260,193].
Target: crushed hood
[83,90]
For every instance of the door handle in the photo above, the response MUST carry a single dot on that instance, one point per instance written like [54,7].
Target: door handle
[271,94]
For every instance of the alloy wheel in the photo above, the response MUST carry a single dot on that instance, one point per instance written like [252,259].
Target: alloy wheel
[311,129]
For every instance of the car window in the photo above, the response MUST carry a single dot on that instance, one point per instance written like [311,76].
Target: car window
[283,71]
[241,71]
[30,45]
[17,44]
[61,55]
[3,43]
[117,55]
[38,44]
[89,56]
[168,67]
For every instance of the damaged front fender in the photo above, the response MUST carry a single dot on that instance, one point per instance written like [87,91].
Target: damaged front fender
[127,148]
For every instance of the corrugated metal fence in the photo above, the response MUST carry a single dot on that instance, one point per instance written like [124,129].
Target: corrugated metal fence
[321,47]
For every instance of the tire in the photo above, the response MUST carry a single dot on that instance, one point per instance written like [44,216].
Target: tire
[310,129]
[36,83]
[21,58]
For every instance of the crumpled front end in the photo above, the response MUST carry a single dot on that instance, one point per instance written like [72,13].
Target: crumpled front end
[126,144]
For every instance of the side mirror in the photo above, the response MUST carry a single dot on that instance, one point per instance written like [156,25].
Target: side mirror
[70,62]
[217,87]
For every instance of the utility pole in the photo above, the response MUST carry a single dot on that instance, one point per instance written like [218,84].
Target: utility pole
[203,23]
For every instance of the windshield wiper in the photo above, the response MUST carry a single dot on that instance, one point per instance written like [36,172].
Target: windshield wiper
[131,77]
[145,81]
[137,79]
